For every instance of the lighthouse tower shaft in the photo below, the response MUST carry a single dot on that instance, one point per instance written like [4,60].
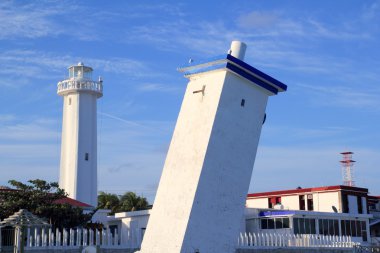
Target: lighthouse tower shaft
[78,167]
[201,196]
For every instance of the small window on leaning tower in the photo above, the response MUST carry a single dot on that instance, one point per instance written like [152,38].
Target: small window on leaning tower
[86,157]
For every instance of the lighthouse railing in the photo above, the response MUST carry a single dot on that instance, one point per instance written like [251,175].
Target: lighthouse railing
[73,84]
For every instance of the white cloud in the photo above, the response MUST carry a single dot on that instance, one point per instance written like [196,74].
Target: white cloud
[30,20]
[256,19]
[20,66]
[157,87]
[347,97]
[34,131]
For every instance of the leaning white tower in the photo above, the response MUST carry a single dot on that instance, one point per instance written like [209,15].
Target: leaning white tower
[200,200]
[78,168]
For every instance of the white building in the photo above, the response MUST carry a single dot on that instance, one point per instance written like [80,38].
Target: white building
[338,199]
[328,213]
[78,167]
[331,210]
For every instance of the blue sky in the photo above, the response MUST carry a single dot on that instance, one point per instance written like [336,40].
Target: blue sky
[327,52]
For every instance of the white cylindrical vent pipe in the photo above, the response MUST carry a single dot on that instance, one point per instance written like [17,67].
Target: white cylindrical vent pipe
[238,49]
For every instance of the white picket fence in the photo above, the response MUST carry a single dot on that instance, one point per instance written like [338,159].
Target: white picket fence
[38,238]
[265,240]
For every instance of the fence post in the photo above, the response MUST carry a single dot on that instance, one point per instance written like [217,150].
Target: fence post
[43,237]
[116,238]
[79,239]
[250,239]
[254,240]
[104,237]
[85,237]
[97,237]
[52,239]
[109,242]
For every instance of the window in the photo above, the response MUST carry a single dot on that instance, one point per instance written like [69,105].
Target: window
[69,101]
[302,202]
[271,224]
[353,228]
[275,223]
[264,223]
[279,223]
[242,103]
[285,223]
[310,204]
[347,226]
[86,156]
[328,227]
[303,226]
[296,226]
[360,204]
[273,201]
[345,203]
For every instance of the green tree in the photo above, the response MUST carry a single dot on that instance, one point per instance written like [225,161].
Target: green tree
[108,201]
[39,197]
[129,201]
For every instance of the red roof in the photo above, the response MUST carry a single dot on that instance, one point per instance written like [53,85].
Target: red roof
[72,202]
[305,190]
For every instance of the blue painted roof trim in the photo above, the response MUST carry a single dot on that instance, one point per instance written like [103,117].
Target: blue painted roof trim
[237,66]
[257,72]
[276,213]
[251,78]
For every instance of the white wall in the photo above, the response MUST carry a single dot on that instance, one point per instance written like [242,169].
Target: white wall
[257,203]
[324,201]
[290,202]
[208,167]
[79,136]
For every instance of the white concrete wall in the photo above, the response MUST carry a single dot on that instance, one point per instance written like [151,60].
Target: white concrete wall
[290,202]
[202,191]
[257,203]
[79,136]
[324,202]
[132,229]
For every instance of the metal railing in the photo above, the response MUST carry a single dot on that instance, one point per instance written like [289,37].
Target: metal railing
[67,85]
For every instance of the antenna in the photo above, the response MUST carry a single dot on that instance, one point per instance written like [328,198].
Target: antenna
[347,168]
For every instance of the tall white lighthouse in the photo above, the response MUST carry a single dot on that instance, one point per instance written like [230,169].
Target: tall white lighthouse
[78,168]
[201,196]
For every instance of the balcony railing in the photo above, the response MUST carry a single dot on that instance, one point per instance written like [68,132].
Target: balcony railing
[76,85]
